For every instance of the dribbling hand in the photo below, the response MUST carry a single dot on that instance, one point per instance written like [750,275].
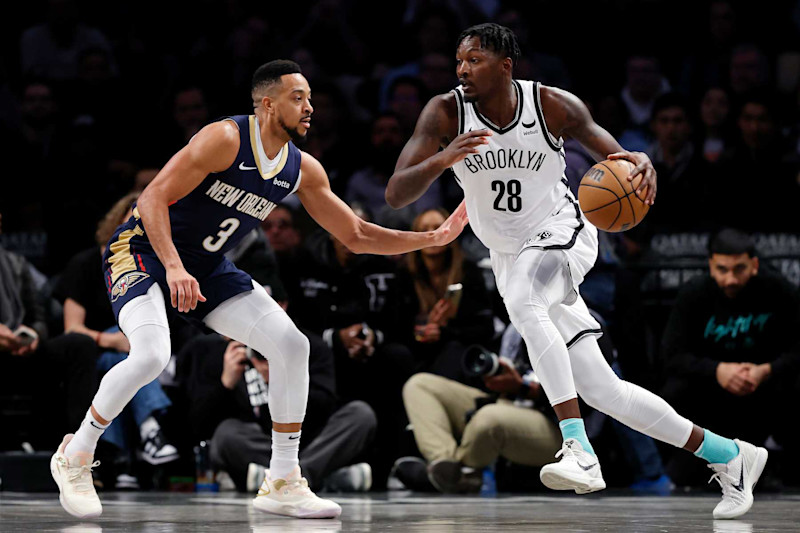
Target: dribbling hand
[463,145]
[184,290]
[647,187]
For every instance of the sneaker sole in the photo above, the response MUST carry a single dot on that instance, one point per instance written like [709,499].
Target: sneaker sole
[64,504]
[558,481]
[268,506]
[756,470]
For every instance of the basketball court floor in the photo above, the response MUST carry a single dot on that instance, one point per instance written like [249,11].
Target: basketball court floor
[402,512]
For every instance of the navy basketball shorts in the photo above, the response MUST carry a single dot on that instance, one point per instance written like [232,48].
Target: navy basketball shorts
[131,268]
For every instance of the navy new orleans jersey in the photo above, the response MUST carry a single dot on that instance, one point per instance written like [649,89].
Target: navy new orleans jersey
[206,223]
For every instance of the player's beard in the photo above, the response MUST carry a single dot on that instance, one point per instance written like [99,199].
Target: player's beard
[294,135]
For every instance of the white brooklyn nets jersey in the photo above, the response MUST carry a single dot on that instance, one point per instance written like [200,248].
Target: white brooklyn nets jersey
[515,185]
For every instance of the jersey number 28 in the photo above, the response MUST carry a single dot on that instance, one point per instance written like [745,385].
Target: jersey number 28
[213,243]
[513,199]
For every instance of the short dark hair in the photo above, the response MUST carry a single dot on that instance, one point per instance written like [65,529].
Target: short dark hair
[270,73]
[668,100]
[731,241]
[495,37]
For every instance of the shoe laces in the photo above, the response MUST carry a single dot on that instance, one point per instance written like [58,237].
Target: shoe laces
[297,486]
[725,480]
[567,452]
[81,476]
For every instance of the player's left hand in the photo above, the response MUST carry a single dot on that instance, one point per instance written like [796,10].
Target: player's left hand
[452,227]
[508,381]
[646,191]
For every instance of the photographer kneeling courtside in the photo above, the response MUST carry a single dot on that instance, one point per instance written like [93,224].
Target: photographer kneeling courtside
[458,441]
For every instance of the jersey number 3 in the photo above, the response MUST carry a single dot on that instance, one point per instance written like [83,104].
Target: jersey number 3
[513,201]
[213,243]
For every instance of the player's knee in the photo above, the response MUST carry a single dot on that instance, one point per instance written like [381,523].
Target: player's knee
[150,350]
[604,395]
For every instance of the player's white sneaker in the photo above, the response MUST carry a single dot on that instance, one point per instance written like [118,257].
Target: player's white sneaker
[737,479]
[73,475]
[577,470]
[292,497]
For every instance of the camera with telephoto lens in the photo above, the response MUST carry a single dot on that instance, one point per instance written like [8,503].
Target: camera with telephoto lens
[480,362]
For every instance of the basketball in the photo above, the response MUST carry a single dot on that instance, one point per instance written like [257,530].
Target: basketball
[607,198]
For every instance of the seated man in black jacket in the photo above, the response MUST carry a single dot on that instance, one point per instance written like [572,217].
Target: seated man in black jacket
[228,386]
[731,349]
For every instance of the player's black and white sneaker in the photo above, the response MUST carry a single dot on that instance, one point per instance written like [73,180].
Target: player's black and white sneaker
[156,450]
[737,479]
[577,470]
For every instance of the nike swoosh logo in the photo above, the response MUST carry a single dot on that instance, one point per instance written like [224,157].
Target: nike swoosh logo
[532,124]
[262,492]
[294,438]
[95,425]
[587,468]
[242,167]
[740,486]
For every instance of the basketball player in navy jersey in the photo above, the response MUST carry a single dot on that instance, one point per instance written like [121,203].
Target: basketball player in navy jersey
[503,139]
[170,253]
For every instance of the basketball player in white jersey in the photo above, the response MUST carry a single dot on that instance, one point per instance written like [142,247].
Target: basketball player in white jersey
[222,184]
[503,139]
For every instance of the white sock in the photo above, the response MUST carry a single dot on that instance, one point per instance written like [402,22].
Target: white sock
[147,427]
[285,447]
[85,439]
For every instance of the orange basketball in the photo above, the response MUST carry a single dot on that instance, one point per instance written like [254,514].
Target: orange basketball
[607,198]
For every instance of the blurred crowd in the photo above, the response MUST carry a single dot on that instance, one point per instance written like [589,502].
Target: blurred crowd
[699,302]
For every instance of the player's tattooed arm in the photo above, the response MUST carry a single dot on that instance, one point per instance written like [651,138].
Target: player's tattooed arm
[213,149]
[330,212]
[421,162]
[566,114]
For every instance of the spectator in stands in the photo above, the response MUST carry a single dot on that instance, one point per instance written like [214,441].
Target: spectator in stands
[354,302]
[31,364]
[682,173]
[644,82]
[461,429]
[87,312]
[749,70]
[445,326]
[406,99]
[368,185]
[330,139]
[708,63]
[52,49]
[714,136]
[731,349]
[190,113]
[756,166]
[228,386]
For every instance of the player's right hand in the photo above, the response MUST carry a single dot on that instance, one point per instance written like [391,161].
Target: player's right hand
[184,290]
[463,145]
